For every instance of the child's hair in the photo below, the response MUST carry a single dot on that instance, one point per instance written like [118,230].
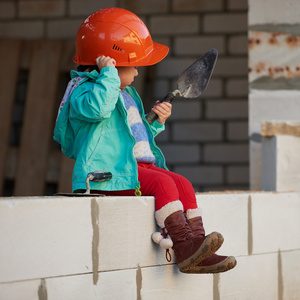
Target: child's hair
[82,68]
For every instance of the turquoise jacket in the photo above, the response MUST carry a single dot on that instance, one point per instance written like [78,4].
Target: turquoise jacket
[93,129]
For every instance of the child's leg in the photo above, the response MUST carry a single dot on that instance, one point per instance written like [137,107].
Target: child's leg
[157,184]
[184,187]
[169,189]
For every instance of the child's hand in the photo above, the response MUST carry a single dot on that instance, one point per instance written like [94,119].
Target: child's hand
[163,110]
[105,61]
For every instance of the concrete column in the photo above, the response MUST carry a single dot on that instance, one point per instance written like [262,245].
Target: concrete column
[280,156]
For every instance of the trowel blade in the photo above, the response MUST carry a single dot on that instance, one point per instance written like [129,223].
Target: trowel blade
[197,75]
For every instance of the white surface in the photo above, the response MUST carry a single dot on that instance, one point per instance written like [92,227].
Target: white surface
[273,12]
[227,214]
[280,163]
[49,240]
[279,105]
[275,222]
[41,237]
[254,277]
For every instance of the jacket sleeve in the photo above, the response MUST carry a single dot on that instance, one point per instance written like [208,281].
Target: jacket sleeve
[157,128]
[95,99]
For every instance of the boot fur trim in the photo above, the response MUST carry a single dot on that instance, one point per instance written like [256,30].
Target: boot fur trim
[167,210]
[193,213]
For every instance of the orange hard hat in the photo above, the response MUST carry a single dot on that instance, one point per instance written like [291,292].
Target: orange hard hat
[120,34]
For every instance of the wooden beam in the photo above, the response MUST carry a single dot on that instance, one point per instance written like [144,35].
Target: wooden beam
[38,115]
[10,55]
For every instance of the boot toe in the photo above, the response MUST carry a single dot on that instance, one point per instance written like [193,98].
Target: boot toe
[205,246]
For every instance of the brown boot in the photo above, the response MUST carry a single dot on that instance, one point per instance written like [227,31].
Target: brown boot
[189,249]
[214,263]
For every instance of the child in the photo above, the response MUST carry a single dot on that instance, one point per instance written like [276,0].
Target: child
[101,124]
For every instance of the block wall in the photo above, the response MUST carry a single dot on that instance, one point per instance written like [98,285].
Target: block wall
[206,139]
[101,248]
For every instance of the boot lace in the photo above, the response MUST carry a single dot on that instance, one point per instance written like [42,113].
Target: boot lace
[168,253]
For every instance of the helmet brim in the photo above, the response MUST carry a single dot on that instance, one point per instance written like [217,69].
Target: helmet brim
[158,53]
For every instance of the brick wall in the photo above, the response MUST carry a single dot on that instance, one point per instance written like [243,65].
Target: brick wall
[206,139]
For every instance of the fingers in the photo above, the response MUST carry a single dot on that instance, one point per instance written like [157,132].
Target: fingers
[163,110]
[105,61]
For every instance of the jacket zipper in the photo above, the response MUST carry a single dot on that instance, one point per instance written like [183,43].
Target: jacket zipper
[138,185]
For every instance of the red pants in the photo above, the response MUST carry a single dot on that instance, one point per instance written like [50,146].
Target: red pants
[164,185]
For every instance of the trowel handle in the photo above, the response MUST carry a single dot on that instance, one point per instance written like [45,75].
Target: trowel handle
[152,116]
[97,176]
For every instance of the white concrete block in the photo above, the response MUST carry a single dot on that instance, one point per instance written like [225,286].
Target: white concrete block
[45,236]
[167,282]
[125,228]
[254,277]
[280,163]
[269,164]
[255,153]
[27,290]
[290,274]
[272,105]
[275,222]
[264,106]
[283,12]
[227,213]
[111,285]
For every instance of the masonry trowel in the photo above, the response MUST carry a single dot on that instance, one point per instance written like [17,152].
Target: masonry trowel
[193,81]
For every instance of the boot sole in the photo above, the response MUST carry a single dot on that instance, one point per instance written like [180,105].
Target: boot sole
[209,246]
[223,266]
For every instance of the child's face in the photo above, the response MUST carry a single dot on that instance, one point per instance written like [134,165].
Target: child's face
[127,75]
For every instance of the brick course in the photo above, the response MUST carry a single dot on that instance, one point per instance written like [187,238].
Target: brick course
[63,29]
[186,110]
[7,10]
[198,44]
[181,153]
[231,66]
[238,44]
[226,153]
[197,131]
[237,87]
[200,175]
[41,9]
[174,24]
[237,131]
[145,6]
[196,5]
[237,4]
[77,8]
[225,23]
[22,30]
[226,109]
